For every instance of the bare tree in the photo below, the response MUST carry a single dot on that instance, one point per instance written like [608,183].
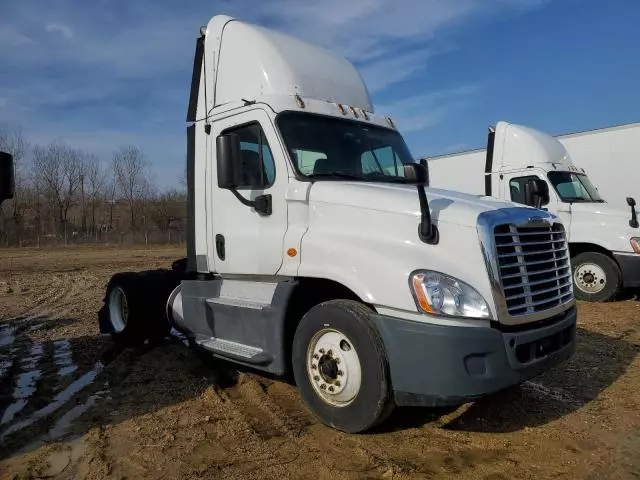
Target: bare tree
[168,210]
[131,178]
[96,187]
[58,168]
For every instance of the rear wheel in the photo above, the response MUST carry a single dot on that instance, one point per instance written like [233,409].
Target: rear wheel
[341,368]
[596,277]
[134,306]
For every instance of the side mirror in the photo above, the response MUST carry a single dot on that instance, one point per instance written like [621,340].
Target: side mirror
[416,173]
[425,164]
[229,160]
[536,193]
[7,177]
[633,223]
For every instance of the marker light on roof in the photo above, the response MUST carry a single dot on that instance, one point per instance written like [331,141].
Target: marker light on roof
[354,111]
[342,110]
[299,101]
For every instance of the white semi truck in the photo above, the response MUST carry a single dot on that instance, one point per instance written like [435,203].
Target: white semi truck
[611,158]
[314,248]
[604,242]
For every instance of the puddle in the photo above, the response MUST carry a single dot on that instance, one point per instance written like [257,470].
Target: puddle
[63,424]
[59,400]
[25,383]
[63,357]
[176,334]
[7,336]
[5,365]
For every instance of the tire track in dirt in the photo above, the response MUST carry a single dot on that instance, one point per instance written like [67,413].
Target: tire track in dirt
[57,298]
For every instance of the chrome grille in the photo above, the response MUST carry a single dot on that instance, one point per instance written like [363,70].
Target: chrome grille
[534,267]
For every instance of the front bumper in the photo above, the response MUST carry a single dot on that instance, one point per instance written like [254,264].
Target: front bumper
[434,365]
[630,267]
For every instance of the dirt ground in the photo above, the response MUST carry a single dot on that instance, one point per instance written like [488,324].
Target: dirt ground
[74,406]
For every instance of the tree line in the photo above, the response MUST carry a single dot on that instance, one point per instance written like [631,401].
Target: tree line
[68,195]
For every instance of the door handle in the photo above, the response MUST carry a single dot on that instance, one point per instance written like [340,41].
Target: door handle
[220,246]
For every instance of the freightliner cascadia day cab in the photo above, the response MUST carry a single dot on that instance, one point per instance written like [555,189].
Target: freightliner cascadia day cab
[604,242]
[314,248]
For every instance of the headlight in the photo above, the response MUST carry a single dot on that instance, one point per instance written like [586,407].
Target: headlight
[439,294]
[635,244]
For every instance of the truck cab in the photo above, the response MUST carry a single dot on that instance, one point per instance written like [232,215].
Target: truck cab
[604,242]
[316,248]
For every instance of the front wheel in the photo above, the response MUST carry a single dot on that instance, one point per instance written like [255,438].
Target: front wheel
[341,368]
[596,277]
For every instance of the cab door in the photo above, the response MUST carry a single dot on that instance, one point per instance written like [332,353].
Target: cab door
[246,242]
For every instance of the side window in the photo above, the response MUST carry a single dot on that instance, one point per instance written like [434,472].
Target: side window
[258,168]
[383,160]
[306,160]
[516,188]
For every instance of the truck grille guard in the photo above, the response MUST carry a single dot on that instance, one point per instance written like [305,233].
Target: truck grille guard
[527,258]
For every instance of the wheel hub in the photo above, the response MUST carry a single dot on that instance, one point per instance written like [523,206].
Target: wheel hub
[334,367]
[590,278]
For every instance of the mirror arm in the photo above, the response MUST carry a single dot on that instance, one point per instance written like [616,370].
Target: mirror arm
[262,203]
[427,231]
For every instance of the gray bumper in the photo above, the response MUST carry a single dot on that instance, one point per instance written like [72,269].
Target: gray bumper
[434,365]
[630,268]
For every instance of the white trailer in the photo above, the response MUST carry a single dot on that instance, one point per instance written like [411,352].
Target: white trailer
[611,158]
[604,240]
[314,247]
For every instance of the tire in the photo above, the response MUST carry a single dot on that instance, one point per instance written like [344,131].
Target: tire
[596,277]
[134,306]
[360,402]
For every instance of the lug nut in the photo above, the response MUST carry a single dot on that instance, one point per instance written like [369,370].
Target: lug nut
[316,378]
[314,366]
[340,373]
[331,389]
[337,383]
[315,355]
[323,387]
[330,352]
[322,351]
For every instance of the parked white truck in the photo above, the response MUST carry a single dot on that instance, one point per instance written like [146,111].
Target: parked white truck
[611,158]
[604,242]
[315,248]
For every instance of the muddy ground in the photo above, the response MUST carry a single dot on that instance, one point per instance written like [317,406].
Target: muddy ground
[74,406]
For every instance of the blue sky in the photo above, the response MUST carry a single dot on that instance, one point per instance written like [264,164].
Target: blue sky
[102,73]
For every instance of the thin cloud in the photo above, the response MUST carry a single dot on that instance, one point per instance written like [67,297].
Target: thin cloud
[62,29]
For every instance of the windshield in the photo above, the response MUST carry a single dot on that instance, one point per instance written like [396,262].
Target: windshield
[332,148]
[574,187]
